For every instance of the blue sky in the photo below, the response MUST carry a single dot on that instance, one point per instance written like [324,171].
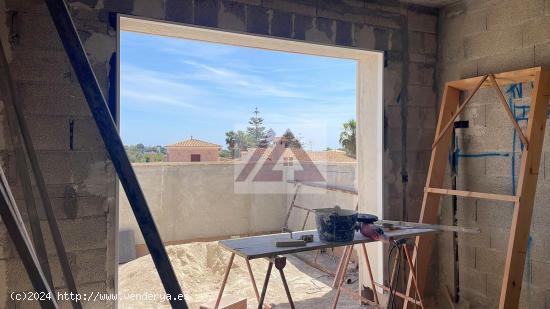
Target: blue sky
[172,89]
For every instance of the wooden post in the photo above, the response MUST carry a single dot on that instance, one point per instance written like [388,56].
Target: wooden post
[430,203]
[527,184]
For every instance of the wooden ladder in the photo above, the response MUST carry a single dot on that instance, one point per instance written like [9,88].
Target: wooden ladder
[527,181]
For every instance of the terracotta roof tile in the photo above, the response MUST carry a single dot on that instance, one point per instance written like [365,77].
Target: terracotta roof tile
[193,142]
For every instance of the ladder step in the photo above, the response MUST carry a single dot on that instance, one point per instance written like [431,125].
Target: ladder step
[487,196]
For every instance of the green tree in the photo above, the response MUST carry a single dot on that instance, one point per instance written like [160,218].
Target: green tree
[256,129]
[231,141]
[347,137]
[291,140]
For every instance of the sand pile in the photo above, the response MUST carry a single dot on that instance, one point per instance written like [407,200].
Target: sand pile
[200,268]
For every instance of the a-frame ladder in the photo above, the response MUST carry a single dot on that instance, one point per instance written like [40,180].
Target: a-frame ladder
[527,180]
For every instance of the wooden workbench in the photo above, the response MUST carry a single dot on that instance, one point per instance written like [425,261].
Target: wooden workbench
[264,247]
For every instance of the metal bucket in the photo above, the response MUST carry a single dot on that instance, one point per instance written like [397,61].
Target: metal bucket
[336,224]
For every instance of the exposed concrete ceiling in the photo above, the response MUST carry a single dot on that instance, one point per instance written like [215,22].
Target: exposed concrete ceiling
[431,3]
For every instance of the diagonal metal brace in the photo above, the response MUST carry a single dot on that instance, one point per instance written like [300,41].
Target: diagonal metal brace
[16,229]
[113,143]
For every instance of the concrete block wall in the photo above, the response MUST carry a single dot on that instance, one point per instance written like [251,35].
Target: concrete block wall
[475,38]
[53,100]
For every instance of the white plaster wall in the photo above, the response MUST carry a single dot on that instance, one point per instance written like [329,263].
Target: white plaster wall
[197,200]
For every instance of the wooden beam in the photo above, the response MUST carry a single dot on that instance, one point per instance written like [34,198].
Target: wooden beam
[527,184]
[430,203]
[511,116]
[504,78]
[480,195]
[450,122]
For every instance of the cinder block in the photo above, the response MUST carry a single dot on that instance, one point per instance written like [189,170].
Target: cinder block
[511,13]
[489,260]
[495,213]
[516,59]
[257,20]
[418,161]
[149,8]
[475,298]
[364,36]
[499,238]
[501,166]
[541,271]
[90,266]
[420,139]
[487,139]
[481,240]
[541,54]
[350,11]
[492,42]
[281,24]
[39,99]
[303,7]
[430,43]
[473,279]
[415,40]
[41,65]
[421,96]
[322,32]
[494,284]
[422,22]
[49,132]
[344,32]
[80,234]
[232,16]
[206,13]
[179,10]
[536,31]
[466,212]
[73,167]
[302,24]
[36,31]
[392,21]
[86,135]
[120,6]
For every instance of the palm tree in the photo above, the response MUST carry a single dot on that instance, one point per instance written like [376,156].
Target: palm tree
[347,137]
[231,141]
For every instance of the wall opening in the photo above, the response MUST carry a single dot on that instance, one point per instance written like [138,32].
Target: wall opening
[179,165]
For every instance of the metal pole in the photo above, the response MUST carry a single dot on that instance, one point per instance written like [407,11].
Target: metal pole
[109,133]
[16,229]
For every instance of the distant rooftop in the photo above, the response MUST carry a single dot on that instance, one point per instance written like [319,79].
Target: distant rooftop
[193,142]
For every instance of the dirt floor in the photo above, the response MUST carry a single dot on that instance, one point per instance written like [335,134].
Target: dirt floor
[200,268]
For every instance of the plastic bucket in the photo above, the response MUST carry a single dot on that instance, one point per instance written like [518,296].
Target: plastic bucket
[336,224]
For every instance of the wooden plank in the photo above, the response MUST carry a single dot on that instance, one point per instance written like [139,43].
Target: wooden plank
[527,184]
[504,104]
[430,203]
[437,227]
[472,194]
[504,78]
[451,121]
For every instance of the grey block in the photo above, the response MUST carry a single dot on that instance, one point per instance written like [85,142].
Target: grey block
[257,20]
[302,7]
[126,246]
[232,16]
[206,13]
[179,10]
[281,24]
